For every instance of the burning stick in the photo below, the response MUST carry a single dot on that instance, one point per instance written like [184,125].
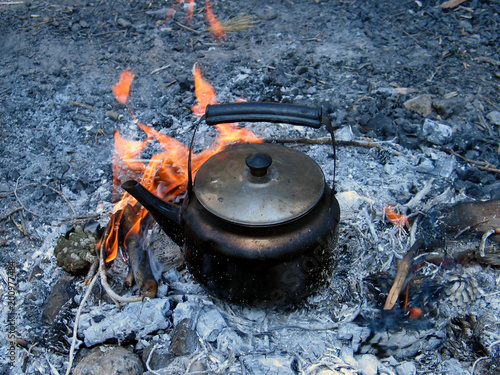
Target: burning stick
[403,269]
[138,256]
[104,279]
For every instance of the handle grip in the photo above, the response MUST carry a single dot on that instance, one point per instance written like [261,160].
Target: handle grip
[264,112]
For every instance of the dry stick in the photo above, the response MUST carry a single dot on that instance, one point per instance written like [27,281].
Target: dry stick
[23,207]
[77,318]
[482,246]
[188,28]
[149,360]
[104,280]
[11,212]
[403,270]
[478,164]
[82,105]
[412,203]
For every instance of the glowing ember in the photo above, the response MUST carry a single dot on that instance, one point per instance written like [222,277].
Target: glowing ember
[216,26]
[398,220]
[166,173]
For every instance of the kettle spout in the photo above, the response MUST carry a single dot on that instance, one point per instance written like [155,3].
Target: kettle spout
[168,215]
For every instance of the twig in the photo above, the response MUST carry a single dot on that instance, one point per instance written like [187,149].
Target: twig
[82,105]
[77,319]
[403,270]
[11,2]
[487,60]
[420,195]
[10,213]
[48,187]
[188,28]
[483,358]
[104,279]
[149,360]
[4,91]
[480,165]
[484,123]
[158,70]
[485,236]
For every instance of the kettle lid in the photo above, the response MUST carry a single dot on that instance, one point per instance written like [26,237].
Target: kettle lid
[259,184]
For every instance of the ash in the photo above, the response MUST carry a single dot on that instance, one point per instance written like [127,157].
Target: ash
[413,89]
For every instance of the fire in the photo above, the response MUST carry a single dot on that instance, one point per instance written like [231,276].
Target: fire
[190,11]
[166,173]
[216,26]
[122,88]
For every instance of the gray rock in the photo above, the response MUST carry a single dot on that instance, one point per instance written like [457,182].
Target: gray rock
[269,364]
[425,166]
[229,341]
[494,117]
[347,355]
[437,133]
[105,360]
[407,368]
[344,134]
[160,358]
[184,340]
[446,165]
[267,13]
[382,125]
[446,107]
[210,324]
[184,310]
[139,319]
[368,364]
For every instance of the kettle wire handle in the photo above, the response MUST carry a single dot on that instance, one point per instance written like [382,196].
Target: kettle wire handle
[272,112]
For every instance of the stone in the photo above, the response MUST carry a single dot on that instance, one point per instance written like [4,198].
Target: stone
[269,364]
[135,320]
[123,23]
[382,125]
[61,293]
[368,364]
[210,324]
[106,360]
[437,133]
[494,117]
[267,13]
[347,355]
[160,358]
[446,107]
[407,368]
[344,134]
[184,340]
[185,310]
[421,104]
[230,341]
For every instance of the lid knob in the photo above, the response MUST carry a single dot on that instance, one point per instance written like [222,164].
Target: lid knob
[259,163]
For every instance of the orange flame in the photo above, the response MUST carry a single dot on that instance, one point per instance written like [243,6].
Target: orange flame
[190,11]
[166,173]
[216,27]
[204,91]
[122,88]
